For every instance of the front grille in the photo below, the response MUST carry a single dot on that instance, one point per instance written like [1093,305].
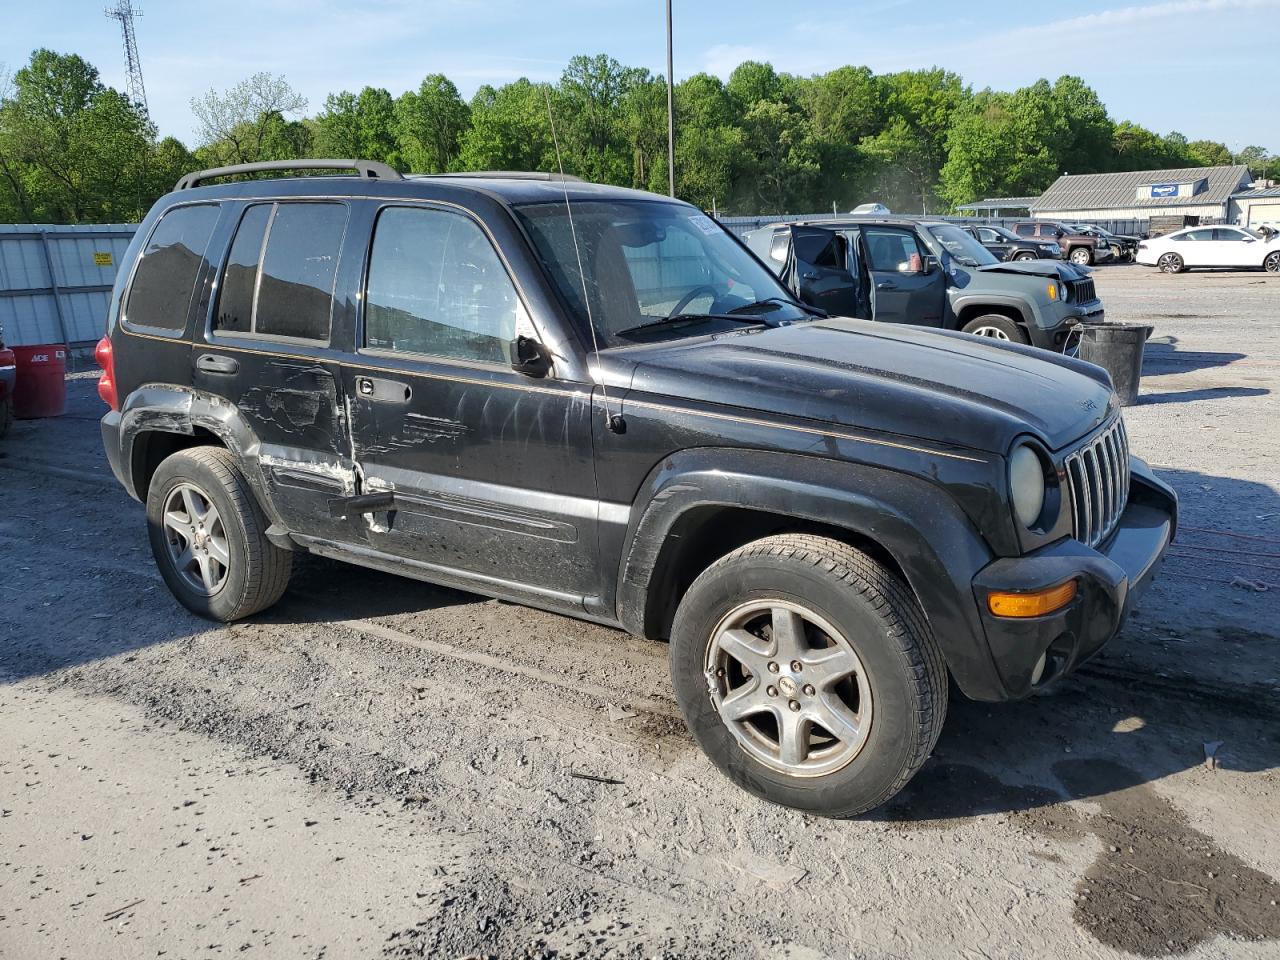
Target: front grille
[1082,291]
[1098,475]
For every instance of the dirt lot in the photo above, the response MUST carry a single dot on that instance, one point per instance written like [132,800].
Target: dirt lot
[379,768]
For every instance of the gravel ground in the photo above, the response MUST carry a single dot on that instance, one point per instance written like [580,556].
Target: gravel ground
[380,768]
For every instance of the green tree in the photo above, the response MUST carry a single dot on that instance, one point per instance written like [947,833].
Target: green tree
[1209,153]
[248,122]
[509,129]
[589,102]
[710,149]
[358,125]
[430,125]
[912,147]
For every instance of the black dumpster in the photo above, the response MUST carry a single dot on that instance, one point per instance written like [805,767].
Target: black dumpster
[1117,348]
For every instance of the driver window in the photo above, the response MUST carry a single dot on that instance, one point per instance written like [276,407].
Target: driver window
[437,287]
[889,249]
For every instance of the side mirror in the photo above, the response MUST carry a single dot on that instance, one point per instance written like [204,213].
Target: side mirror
[529,357]
[930,264]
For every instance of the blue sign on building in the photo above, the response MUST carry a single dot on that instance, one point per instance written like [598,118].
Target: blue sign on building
[1163,190]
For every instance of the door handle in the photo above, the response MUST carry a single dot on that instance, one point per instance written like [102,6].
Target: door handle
[810,276]
[887,285]
[387,391]
[212,363]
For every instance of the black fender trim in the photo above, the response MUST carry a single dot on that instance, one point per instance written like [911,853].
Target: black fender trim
[982,301]
[164,408]
[915,522]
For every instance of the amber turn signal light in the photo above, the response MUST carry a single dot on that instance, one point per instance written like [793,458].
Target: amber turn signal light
[1035,603]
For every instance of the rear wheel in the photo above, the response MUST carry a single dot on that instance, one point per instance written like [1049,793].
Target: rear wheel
[1081,256]
[808,674]
[208,536]
[1272,263]
[997,327]
[1171,263]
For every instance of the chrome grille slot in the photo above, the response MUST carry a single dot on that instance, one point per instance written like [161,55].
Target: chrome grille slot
[1098,475]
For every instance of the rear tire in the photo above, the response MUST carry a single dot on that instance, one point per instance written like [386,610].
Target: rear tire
[208,536]
[1171,263]
[852,651]
[1081,257]
[997,327]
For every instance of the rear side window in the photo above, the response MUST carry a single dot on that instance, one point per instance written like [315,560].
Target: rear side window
[821,249]
[160,294]
[280,273]
[436,286]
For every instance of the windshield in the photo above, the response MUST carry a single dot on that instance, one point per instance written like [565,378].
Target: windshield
[961,246]
[645,260]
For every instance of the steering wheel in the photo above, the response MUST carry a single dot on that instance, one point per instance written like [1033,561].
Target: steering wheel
[691,296]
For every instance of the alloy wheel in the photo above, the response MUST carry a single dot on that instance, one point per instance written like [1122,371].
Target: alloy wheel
[1169,263]
[789,687]
[994,333]
[196,538]
[1272,263]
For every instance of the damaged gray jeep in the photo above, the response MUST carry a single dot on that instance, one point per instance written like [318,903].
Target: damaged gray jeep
[599,402]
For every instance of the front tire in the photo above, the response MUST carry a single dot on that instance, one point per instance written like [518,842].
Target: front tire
[807,673]
[1171,263]
[1081,257]
[208,536]
[1024,256]
[997,327]
[1272,262]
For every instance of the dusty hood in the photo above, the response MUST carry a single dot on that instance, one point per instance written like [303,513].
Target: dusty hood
[1041,268]
[903,380]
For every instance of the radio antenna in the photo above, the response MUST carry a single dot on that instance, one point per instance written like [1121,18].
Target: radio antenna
[614,421]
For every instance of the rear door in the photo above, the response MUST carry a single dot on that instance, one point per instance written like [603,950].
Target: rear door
[902,290]
[267,350]
[489,472]
[822,271]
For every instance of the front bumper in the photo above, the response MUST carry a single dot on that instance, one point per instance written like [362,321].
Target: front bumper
[1109,579]
[1055,337]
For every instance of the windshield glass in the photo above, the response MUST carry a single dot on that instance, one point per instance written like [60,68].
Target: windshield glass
[962,246]
[645,260]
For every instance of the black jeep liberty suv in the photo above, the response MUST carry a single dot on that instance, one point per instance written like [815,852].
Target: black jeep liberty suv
[598,401]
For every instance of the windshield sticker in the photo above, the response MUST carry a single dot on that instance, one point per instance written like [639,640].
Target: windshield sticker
[704,223]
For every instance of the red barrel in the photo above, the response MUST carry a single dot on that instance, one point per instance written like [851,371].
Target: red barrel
[41,387]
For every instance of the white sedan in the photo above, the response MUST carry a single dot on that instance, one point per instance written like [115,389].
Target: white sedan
[1210,247]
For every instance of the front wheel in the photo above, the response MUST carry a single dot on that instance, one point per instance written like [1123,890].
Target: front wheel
[208,536]
[1171,263]
[997,327]
[808,674]
[1024,256]
[1081,256]
[1272,263]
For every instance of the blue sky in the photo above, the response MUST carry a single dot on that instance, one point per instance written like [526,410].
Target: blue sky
[1208,68]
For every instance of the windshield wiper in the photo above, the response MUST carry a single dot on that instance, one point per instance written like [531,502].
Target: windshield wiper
[776,301]
[676,318]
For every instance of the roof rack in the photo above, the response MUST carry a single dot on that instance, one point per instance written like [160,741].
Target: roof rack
[505,175]
[367,169]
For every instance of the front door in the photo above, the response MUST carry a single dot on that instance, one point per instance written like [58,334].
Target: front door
[1198,248]
[821,271]
[489,472]
[1234,248]
[904,289]
[996,244]
[267,350]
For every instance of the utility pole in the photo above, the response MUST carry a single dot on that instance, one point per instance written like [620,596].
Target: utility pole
[671,113]
[124,11]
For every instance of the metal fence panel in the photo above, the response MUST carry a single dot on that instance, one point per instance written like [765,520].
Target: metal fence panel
[55,281]
[744,225]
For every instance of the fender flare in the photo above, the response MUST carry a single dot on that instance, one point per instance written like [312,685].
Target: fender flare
[165,408]
[917,523]
[1024,310]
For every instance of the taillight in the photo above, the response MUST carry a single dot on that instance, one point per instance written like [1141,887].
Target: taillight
[106,382]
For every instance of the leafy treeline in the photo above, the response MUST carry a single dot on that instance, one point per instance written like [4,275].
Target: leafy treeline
[73,150]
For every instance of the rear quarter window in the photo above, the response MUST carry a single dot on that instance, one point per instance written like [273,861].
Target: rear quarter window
[165,278]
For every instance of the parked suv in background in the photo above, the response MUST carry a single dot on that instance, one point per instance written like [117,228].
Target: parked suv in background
[1006,245]
[597,401]
[927,272]
[1081,249]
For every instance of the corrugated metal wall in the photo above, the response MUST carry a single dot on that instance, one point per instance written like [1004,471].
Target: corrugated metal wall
[55,281]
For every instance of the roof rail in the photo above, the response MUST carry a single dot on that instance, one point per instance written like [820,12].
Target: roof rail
[367,169]
[506,175]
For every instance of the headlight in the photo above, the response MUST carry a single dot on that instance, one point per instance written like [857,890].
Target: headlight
[1026,485]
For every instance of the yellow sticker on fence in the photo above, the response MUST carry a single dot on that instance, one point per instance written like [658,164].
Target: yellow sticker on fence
[101,259]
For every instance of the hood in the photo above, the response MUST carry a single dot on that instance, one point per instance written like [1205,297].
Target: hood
[910,381]
[1039,268]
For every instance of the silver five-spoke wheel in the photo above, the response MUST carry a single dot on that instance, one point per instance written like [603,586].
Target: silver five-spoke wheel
[993,332]
[789,687]
[196,538]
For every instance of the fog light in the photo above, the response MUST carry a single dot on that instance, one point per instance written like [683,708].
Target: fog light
[1034,603]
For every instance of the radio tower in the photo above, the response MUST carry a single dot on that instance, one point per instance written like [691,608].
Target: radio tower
[124,11]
